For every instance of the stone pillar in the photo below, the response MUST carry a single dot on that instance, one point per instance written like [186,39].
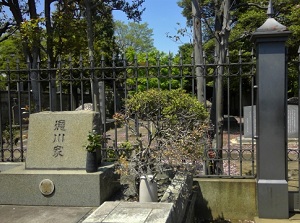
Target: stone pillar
[271,122]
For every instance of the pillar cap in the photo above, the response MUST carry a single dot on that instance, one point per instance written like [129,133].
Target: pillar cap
[271,27]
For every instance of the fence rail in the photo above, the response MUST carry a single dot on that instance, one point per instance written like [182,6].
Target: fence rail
[68,87]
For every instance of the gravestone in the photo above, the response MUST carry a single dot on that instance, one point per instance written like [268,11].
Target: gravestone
[16,113]
[292,121]
[249,121]
[54,173]
[56,139]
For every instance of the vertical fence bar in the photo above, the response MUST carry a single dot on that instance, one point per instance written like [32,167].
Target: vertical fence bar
[1,133]
[81,82]
[181,70]
[206,162]
[170,71]
[39,84]
[59,67]
[298,152]
[9,127]
[193,73]
[115,97]
[29,85]
[147,71]
[136,76]
[228,114]
[20,118]
[72,106]
[158,70]
[51,106]
[147,88]
[240,73]
[203,72]
[253,88]
[125,92]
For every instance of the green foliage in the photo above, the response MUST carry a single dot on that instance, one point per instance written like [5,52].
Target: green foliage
[94,141]
[11,50]
[158,72]
[134,35]
[63,31]
[172,106]
[177,131]
[10,136]
[245,18]
[2,83]
[124,150]
[32,31]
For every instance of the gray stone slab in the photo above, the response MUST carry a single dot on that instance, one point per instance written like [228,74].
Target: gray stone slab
[56,139]
[101,212]
[131,212]
[128,214]
[8,165]
[40,214]
[20,186]
[158,216]
[292,121]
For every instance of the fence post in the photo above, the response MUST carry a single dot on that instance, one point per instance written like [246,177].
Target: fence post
[271,119]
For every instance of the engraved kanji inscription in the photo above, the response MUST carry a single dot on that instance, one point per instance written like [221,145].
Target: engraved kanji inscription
[58,151]
[59,137]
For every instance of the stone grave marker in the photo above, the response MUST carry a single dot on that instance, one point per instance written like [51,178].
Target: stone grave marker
[292,121]
[56,139]
[248,121]
[15,115]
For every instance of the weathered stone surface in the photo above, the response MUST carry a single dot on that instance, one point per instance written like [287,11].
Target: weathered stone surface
[132,212]
[233,199]
[20,186]
[292,122]
[56,139]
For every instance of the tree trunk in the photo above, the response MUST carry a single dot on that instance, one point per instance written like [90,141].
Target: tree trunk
[35,52]
[90,37]
[222,29]
[49,30]
[198,50]
[93,79]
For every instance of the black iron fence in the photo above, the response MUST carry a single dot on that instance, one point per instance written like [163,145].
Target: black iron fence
[71,85]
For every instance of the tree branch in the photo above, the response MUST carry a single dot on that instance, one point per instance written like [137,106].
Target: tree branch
[4,28]
[247,5]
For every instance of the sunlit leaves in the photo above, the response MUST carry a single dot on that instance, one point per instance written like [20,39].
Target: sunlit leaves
[32,31]
[134,35]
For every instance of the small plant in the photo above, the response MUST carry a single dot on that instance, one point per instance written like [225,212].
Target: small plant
[95,141]
[10,136]
[124,150]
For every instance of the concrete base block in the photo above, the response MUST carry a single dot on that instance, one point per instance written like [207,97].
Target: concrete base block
[20,186]
[273,199]
[220,199]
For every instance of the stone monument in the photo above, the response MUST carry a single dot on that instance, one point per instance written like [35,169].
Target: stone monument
[54,173]
[56,139]
[292,121]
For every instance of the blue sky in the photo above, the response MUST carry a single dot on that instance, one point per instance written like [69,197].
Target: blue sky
[162,16]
